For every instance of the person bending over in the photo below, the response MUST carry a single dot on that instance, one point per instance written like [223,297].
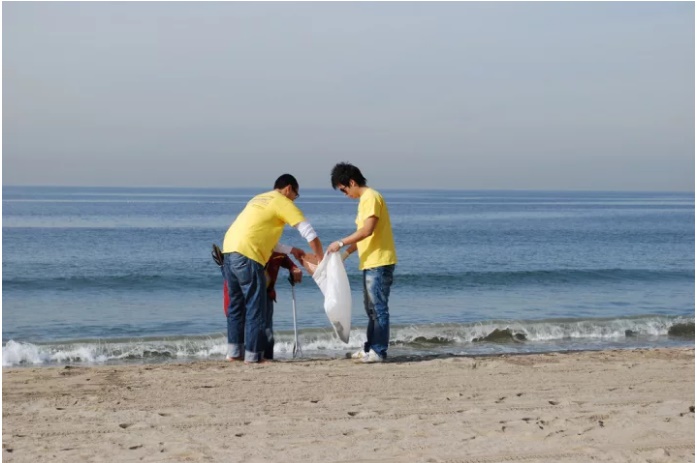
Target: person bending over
[248,245]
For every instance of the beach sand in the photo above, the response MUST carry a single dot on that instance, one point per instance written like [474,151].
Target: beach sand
[616,406]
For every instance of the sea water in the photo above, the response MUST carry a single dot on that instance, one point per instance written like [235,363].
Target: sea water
[113,275]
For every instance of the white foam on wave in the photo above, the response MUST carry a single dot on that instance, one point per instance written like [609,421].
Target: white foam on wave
[324,343]
[23,354]
[541,330]
[15,353]
[594,329]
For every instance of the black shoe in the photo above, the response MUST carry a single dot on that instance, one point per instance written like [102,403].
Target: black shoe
[217,255]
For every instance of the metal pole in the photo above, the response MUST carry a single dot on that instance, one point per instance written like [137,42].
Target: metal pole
[296,345]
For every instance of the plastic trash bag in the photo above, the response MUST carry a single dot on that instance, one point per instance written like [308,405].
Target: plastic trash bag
[332,280]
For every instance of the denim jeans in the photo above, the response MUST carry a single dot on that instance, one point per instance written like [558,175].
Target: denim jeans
[376,293]
[246,317]
[268,351]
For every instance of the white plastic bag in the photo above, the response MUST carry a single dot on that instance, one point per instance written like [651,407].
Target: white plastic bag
[333,281]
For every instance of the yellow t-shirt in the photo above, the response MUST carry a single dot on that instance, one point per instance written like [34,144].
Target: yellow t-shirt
[378,249]
[258,228]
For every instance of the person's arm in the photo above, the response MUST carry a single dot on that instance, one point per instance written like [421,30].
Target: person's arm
[362,233]
[307,232]
[288,263]
[316,246]
[294,270]
[348,251]
[285,249]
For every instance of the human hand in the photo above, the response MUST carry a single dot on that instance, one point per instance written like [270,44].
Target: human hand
[297,275]
[297,253]
[334,247]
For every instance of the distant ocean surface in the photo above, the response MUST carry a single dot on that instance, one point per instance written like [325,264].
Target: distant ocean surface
[118,275]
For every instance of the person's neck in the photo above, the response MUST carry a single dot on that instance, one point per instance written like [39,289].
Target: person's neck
[280,191]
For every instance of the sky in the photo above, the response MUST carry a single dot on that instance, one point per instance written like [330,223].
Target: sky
[451,95]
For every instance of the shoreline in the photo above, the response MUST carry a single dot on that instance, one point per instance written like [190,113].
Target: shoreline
[428,341]
[280,357]
[608,405]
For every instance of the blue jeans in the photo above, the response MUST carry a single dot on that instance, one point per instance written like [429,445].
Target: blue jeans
[376,293]
[246,317]
[268,351]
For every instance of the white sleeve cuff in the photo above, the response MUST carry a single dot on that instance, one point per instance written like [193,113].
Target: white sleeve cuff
[283,248]
[306,231]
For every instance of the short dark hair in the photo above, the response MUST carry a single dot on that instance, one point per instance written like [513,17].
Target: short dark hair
[343,173]
[285,180]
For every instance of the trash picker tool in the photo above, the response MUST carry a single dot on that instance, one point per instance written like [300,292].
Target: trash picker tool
[297,352]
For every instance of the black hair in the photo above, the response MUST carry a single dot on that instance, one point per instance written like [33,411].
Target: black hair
[285,180]
[343,173]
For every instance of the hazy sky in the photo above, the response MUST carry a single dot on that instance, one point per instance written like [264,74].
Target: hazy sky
[424,95]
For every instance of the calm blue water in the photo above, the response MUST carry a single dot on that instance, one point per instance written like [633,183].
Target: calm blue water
[125,274]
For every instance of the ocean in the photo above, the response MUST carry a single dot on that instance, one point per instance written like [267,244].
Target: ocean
[124,275]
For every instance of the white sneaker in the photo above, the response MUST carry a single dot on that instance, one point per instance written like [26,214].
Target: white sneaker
[359,354]
[372,357]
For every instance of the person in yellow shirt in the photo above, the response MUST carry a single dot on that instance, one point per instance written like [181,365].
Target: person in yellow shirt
[376,253]
[248,245]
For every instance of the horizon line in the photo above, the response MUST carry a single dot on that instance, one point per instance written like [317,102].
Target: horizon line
[571,190]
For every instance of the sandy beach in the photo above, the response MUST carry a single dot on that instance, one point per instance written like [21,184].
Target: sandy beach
[616,406]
